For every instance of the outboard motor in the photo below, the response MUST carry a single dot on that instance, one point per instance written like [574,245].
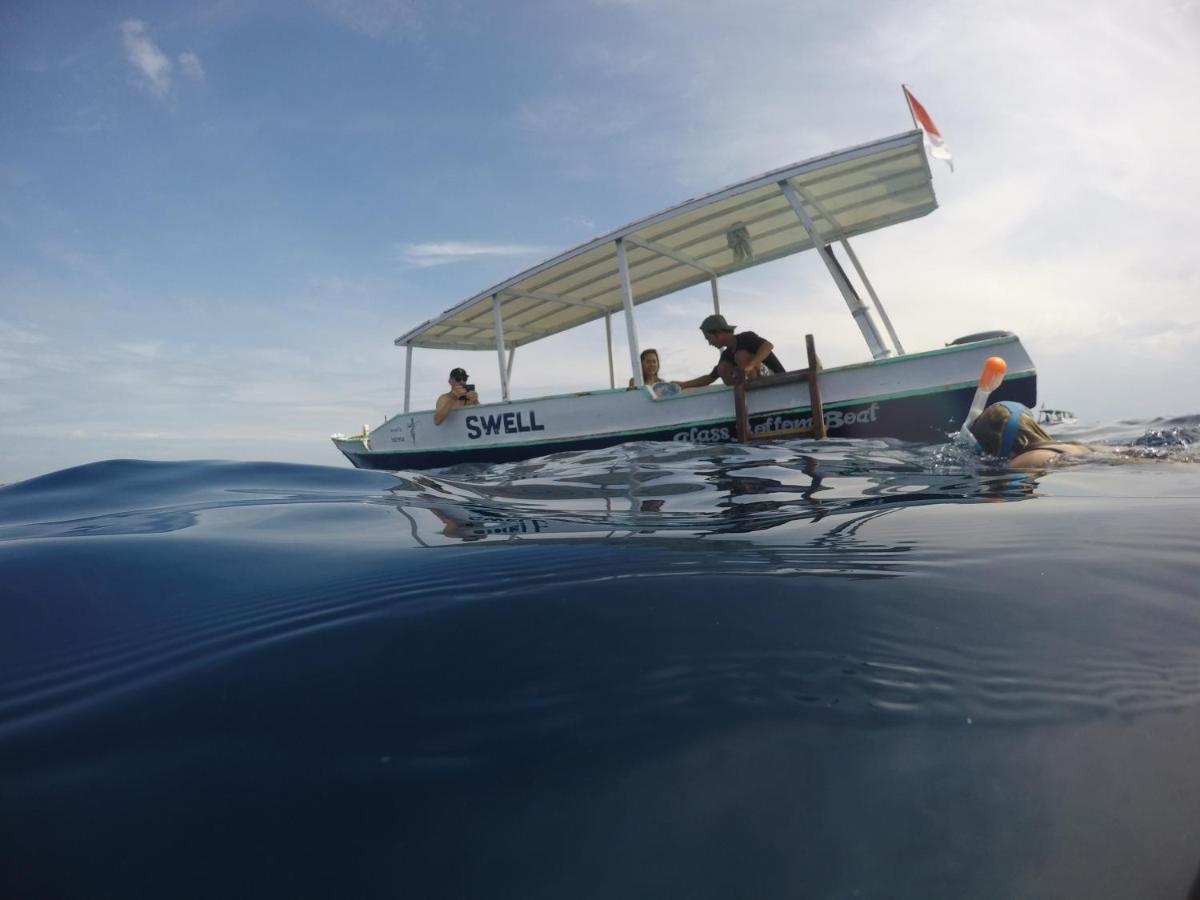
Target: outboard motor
[979,336]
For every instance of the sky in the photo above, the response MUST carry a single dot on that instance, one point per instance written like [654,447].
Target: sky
[216,217]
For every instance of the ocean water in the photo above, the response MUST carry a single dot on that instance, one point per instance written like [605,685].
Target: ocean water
[797,669]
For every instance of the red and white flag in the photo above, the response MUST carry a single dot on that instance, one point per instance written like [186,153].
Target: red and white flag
[933,138]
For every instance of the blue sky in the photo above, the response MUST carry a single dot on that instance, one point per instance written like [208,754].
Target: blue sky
[215,217]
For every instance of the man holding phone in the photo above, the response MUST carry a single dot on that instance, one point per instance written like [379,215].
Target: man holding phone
[460,394]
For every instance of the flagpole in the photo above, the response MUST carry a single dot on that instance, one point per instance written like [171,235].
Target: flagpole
[908,103]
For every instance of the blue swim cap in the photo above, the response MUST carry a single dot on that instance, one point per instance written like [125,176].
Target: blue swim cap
[1011,426]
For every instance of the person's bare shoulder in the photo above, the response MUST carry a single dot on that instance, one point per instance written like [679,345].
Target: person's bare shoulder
[1043,456]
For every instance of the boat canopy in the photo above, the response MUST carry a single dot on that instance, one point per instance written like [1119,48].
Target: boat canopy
[818,202]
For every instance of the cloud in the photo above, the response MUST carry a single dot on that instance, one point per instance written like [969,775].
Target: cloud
[142,350]
[20,349]
[143,54]
[155,69]
[440,253]
[1070,215]
[376,18]
[190,65]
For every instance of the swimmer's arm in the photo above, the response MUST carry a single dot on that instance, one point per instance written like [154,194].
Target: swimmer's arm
[1036,459]
[1032,459]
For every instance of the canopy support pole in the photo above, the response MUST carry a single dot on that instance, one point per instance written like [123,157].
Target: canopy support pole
[407,376]
[716,296]
[887,322]
[859,310]
[630,325]
[612,378]
[512,351]
[844,241]
[498,321]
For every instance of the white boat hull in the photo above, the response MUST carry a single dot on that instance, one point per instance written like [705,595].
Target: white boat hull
[919,397]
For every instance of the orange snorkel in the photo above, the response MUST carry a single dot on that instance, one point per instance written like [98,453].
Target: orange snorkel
[989,379]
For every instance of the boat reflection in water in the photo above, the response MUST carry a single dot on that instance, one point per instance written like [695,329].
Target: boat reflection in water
[805,504]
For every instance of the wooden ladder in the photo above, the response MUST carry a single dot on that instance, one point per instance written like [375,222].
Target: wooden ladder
[811,375]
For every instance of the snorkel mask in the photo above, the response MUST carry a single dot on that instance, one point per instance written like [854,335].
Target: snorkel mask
[1012,426]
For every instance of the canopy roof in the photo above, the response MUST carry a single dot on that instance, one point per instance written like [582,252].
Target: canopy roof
[845,193]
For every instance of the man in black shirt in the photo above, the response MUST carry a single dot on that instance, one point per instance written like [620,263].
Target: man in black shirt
[746,351]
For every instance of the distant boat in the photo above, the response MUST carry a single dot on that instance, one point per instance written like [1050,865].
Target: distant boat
[1055,417]
[809,205]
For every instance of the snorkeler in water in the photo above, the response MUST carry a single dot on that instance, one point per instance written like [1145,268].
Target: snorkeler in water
[1009,431]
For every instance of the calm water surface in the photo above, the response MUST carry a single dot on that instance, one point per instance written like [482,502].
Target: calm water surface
[798,669]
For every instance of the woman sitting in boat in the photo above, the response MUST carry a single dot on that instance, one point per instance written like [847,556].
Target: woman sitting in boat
[650,376]
[1008,430]
[460,394]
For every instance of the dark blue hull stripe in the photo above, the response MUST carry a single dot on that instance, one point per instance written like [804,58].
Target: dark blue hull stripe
[925,418]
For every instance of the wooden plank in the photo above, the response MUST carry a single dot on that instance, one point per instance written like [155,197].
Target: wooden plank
[739,405]
[811,375]
[814,389]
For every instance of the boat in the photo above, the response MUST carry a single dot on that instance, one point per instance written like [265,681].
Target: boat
[1055,416]
[818,204]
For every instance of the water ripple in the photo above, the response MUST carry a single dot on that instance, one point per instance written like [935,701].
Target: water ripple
[862,581]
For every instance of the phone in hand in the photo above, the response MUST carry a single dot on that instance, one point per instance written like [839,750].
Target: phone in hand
[469,387]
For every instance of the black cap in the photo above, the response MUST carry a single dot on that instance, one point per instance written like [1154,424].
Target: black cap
[459,375]
[715,323]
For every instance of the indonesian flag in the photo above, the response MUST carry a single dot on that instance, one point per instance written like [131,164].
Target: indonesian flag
[933,138]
